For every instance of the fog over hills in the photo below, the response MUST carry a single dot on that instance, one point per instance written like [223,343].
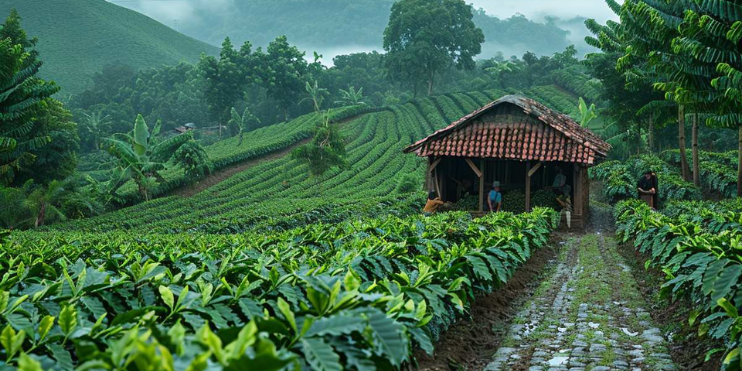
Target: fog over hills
[358,25]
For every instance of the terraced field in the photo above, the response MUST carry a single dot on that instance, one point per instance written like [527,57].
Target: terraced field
[279,194]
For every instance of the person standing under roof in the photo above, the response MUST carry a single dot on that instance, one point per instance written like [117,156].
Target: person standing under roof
[494,198]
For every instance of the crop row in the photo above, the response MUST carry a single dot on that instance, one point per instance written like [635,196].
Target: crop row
[358,295]
[256,144]
[718,170]
[620,179]
[697,246]
[278,193]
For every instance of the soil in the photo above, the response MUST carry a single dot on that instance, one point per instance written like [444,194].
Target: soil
[471,343]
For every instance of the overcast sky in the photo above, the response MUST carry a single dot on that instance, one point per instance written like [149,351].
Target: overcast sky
[537,9]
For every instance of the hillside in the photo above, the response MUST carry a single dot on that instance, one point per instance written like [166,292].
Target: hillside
[278,192]
[334,27]
[78,37]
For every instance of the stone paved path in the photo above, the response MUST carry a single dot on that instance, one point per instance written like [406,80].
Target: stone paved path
[588,316]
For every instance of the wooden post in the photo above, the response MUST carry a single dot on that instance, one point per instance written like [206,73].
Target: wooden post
[437,185]
[481,186]
[528,186]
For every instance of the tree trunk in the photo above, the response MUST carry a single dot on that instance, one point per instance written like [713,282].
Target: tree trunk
[681,142]
[696,165]
[739,166]
[42,215]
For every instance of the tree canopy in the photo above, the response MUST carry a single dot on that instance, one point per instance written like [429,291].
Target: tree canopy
[426,36]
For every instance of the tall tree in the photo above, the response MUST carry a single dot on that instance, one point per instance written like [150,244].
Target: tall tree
[424,37]
[226,79]
[21,92]
[284,72]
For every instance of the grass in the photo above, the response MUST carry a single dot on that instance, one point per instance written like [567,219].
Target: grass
[77,38]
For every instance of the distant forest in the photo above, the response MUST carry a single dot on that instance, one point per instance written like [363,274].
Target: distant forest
[334,24]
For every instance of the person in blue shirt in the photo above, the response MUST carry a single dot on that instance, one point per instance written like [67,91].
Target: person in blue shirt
[494,198]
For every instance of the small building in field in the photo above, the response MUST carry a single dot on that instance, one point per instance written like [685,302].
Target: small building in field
[519,143]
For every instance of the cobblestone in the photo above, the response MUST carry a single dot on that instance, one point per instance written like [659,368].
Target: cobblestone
[589,315]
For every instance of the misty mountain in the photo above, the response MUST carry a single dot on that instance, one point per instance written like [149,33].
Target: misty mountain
[333,27]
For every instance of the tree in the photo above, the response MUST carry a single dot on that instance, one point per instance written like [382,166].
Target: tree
[424,37]
[21,93]
[94,127]
[226,79]
[142,157]
[327,148]
[242,123]
[12,30]
[284,73]
[351,97]
[44,202]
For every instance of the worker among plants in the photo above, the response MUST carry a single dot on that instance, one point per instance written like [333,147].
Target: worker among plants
[647,187]
[494,198]
[434,202]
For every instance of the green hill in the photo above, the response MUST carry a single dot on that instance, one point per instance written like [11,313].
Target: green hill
[277,193]
[78,37]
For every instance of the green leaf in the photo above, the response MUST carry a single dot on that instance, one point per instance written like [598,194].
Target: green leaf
[26,363]
[45,325]
[422,339]
[480,268]
[4,300]
[141,136]
[727,279]
[177,337]
[167,296]
[12,341]
[62,356]
[711,274]
[731,356]
[320,355]
[389,337]
[728,307]
[68,319]
[336,325]
[285,309]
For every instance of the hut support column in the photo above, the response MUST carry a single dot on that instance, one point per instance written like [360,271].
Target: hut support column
[481,186]
[528,186]
[529,174]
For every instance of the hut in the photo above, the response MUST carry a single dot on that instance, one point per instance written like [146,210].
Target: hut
[517,142]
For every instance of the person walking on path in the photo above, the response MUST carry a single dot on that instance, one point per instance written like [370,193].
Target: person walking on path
[494,198]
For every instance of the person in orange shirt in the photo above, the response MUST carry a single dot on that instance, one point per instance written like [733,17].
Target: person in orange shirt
[434,202]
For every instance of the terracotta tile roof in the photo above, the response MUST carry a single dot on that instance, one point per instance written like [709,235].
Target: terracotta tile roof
[515,128]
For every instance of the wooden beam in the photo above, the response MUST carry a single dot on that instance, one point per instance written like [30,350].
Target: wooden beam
[481,187]
[534,169]
[437,185]
[434,164]
[474,167]
[528,186]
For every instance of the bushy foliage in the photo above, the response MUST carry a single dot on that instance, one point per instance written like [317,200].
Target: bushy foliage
[697,246]
[365,292]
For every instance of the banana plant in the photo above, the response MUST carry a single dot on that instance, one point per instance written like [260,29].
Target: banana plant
[242,122]
[141,156]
